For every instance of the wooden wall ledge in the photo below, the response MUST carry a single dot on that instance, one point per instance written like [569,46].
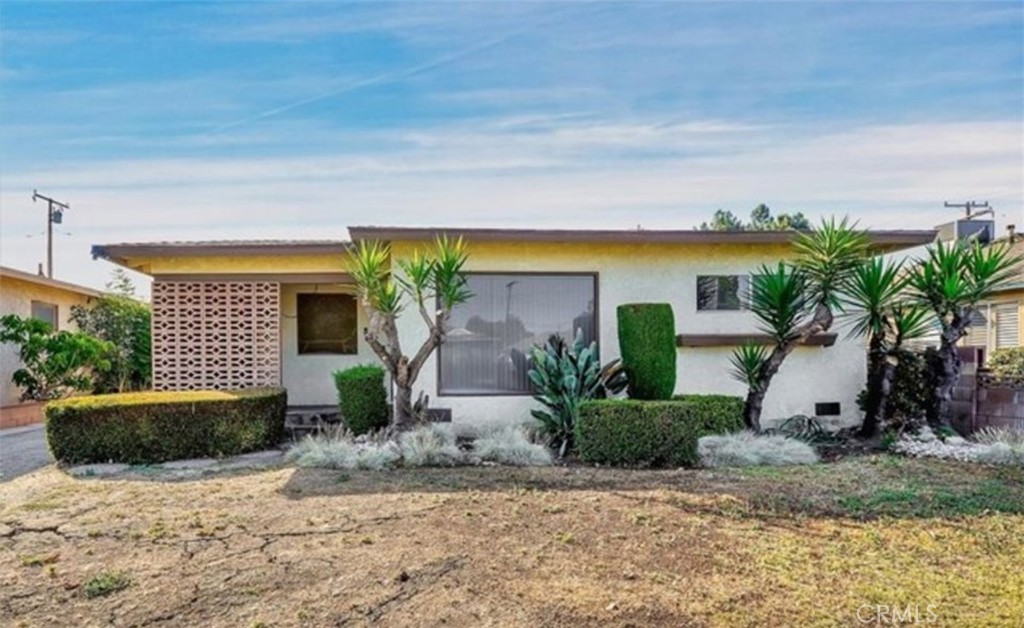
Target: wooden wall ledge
[734,340]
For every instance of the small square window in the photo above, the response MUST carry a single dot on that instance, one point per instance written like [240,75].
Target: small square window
[327,323]
[46,312]
[722,292]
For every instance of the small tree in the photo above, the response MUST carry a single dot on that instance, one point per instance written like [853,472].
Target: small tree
[124,322]
[876,299]
[761,219]
[794,302]
[54,364]
[951,281]
[434,284]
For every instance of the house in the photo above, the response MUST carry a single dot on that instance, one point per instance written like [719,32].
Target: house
[997,324]
[250,313]
[27,294]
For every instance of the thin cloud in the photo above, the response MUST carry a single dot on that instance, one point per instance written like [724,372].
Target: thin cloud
[399,75]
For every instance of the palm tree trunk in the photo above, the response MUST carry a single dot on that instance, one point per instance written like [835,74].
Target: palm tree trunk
[752,408]
[821,322]
[873,413]
[947,377]
[404,418]
[879,390]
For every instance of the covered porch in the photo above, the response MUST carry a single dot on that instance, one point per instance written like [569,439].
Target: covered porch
[243,314]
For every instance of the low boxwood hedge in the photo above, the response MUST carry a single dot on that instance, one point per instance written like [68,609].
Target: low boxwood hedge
[150,427]
[631,432]
[362,398]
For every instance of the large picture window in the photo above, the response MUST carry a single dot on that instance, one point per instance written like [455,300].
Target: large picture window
[489,337]
[327,323]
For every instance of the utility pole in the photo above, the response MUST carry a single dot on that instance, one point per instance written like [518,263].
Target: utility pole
[54,215]
[969,208]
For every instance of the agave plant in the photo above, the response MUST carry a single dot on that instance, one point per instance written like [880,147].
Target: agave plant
[564,376]
[951,281]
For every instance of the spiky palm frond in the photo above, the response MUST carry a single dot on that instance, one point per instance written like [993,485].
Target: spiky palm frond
[909,321]
[871,291]
[989,267]
[369,265]
[956,275]
[417,277]
[827,255]
[449,279]
[779,300]
[748,362]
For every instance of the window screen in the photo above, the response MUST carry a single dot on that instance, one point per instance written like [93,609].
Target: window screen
[977,333]
[327,323]
[1007,326]
[45,312]
[489,337]
[722,292]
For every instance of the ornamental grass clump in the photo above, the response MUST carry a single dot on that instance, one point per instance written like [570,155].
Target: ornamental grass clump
[337,449]
[430,446]
[747,449]
[511,446]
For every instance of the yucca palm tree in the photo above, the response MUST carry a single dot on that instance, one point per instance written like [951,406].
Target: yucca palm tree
[796,301]
[951,281]
[434,283]
[876,300]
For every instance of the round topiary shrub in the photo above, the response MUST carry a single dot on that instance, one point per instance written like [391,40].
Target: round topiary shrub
[362,398]
[647,342]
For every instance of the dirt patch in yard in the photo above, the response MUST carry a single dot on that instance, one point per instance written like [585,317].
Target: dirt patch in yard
[504,547]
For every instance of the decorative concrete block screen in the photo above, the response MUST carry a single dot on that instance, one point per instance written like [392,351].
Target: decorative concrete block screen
[216,335]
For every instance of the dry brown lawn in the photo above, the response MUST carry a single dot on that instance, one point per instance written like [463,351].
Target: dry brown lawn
[508,547]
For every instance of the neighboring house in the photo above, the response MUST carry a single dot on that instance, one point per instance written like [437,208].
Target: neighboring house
[27,294]
[251,313]
[999,321]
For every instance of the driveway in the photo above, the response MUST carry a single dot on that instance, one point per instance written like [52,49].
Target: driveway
[22,450]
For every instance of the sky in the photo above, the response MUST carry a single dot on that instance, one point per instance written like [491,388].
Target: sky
[180,121]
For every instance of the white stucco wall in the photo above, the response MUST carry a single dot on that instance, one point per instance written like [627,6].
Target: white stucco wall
[661,273]
[307,377]
[16,296]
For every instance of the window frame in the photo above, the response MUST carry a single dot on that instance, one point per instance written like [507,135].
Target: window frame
[56,312]
[298,323]
[594,276]
[744,299]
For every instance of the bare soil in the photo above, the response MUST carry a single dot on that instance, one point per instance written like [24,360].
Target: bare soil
[517,547]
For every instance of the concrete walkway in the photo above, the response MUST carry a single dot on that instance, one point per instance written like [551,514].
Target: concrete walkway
[22,450]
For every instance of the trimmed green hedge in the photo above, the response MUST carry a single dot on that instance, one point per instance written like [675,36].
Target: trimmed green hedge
[631,432]
[151,427]
[362,398]
[647,342]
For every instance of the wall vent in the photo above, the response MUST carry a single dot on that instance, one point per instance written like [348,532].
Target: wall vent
[829,408]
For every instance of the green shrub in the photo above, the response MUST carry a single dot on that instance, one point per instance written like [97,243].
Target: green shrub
[653,433]
[151,427]
[1007,362]
[105,583]
[362,398]
[911,390]
[647,342]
